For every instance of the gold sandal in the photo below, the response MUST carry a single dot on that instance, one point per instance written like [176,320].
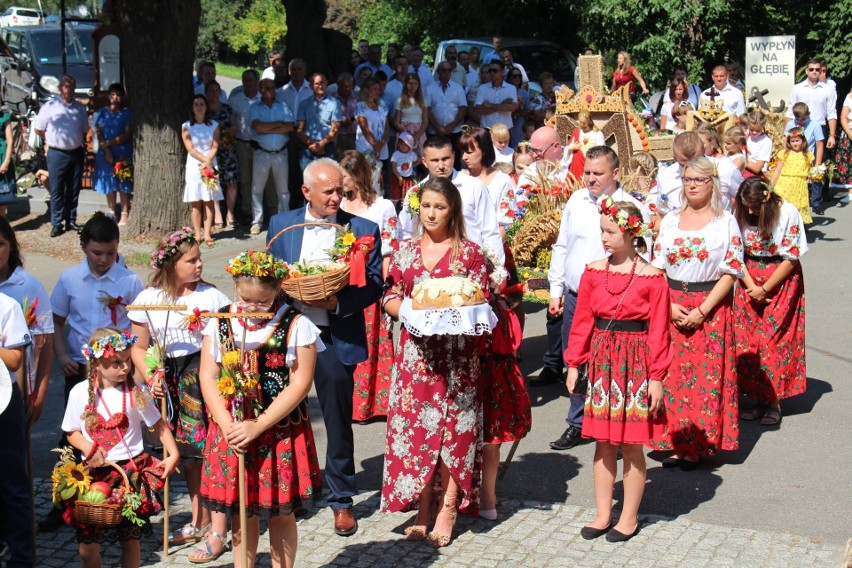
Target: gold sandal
[439,540]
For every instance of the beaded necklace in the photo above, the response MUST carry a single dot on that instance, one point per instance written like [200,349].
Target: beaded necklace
[624,288]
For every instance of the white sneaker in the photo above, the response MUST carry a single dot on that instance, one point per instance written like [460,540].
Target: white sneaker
[255,229]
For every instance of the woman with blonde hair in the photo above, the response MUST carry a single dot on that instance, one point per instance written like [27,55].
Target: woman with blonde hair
[626,74]
[700,248]
[412,114]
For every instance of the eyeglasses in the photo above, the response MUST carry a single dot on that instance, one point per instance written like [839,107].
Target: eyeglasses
[538,152]
[695,181]
[814,69]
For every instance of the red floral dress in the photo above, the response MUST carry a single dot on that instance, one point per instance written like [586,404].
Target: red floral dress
[621,363]
[373,376]
[771,337]
[700,392]
[435,407]
[282,470]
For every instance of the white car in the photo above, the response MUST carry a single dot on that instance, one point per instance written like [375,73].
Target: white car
[18,16]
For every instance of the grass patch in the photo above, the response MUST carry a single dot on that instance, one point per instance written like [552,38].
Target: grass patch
[138,258]
[232,71]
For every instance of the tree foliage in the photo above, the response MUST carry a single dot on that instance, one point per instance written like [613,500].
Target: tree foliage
[262,27]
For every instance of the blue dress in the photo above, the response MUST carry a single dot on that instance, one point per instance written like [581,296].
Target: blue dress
[112,124]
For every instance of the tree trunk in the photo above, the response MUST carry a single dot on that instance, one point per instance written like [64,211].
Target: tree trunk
[157,50]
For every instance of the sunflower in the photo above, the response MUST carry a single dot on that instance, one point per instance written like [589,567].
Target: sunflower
[231,358]
[348,239]
[76,476]
[249,382]
[226,386]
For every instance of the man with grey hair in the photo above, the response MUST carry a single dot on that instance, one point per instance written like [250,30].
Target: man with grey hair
[340,319]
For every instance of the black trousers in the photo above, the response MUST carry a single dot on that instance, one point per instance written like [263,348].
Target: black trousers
[335,385]
[16,504]
[553,357]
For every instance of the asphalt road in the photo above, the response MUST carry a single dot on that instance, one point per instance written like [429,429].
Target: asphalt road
[796,479]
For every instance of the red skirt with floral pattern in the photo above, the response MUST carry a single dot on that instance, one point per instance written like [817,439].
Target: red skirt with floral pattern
[771,337]
[700,392]
[373,376]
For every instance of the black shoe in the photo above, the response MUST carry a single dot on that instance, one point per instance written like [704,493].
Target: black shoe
[73,227]
[570,438]
[617,536]
[546,377]
[818,210]
[591,533]
[56,231]
[671,462]
[686,465]
[51,522]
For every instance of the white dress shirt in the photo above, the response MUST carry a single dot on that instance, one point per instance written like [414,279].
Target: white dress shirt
[242,113]
[292,96]
[315,244]
[445,104]
[488,93]
[820,98]
[424,73]
[732,99]
[579,240]
[480,218]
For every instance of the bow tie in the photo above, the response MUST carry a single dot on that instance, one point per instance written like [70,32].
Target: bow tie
[319,227]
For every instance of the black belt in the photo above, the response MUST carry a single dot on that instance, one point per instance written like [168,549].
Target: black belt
[773,258]
[64,151]
[572,292]
[621,325]
[692,286]
[257,146]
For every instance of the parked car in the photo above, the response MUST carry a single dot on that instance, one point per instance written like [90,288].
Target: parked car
[18,16]
[31,62]
[535,55]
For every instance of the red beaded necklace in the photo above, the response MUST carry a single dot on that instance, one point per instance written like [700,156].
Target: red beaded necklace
[629,280]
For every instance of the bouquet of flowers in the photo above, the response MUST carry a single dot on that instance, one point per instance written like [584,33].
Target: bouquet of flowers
[412,201]
[305,268]
[817,173]
[209,177]
[238,384]
[122,170]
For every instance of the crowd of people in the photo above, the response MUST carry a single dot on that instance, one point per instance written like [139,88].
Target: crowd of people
[665,293]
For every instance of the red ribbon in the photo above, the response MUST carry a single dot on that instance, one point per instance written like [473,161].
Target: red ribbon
[113,304]
[358,260]
[195,322]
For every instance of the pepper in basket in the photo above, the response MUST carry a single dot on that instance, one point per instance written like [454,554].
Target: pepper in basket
[103,421]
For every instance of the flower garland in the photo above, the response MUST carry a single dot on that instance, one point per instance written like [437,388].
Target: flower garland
[257,265]
[169,246]
[109,345]
[626,222]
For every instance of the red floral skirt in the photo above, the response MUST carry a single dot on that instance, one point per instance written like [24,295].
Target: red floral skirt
[771,337]
[700,392]
[282,470]
[399,188]
[373,376]
[506,412]
[616,409]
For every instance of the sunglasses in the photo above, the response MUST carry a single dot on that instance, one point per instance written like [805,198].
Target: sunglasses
[492,71]
[814,69]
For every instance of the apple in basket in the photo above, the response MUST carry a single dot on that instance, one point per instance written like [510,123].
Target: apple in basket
[101,487]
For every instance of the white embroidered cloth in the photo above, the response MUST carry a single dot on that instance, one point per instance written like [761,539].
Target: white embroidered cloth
[464,320]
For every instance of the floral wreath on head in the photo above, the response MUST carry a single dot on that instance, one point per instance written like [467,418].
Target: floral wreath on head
[257,265]
[109,345]
[623,219]
[169,247]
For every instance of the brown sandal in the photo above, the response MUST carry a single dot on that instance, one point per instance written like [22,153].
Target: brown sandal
[772,417]
[439,540]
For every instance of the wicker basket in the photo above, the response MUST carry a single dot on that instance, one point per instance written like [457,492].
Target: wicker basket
[315,286]
[101,514]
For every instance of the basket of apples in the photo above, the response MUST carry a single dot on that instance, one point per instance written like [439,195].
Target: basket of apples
[101,505]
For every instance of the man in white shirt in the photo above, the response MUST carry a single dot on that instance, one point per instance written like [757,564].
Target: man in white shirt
[732,98]
[374,62]
[471,75]
[415,56]
[269,72]
[551,158]
[447,106]
[292,94]
[510,63]
[208,75]
[241,102]
[457,72]
[480,218]
[496,101]
[821,98]
[579,243]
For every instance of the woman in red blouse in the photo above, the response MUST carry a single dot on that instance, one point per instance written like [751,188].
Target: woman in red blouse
[621,333]
[625,74]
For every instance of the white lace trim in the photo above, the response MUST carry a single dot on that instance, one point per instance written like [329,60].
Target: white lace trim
[465,320]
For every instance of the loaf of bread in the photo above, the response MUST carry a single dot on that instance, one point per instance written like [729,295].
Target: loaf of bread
[450,292]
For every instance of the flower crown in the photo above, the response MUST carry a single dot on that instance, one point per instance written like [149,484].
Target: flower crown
[257,265]
[169,247]
[625,221]
[796,131]
[109,345]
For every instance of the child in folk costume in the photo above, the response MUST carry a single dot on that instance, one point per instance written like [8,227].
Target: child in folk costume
[403,162]
[271,427]
[770,357]
[177,280]
[790,177]
[621,331]
[103,421]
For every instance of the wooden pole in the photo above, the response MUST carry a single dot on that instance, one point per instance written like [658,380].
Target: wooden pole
[505,467]
[163,411]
